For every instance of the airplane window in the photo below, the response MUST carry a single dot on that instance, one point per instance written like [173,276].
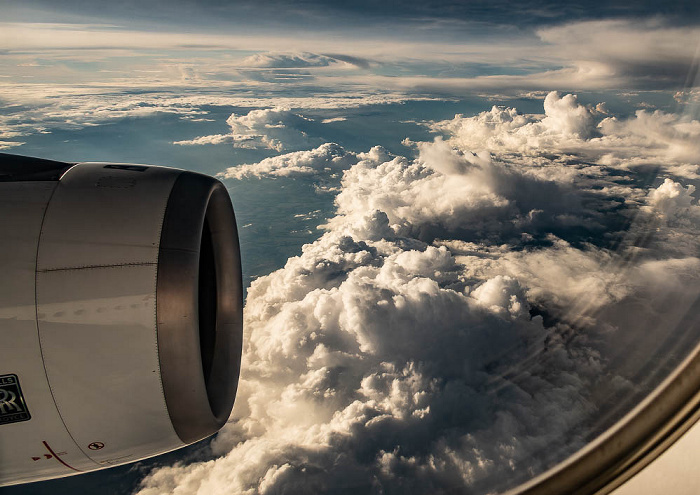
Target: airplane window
[469,230]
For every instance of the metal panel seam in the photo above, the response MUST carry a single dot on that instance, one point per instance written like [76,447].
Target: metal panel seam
[36,316]
[83,267]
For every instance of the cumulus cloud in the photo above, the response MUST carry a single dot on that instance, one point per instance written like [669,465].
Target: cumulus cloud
[458,325]
[448,191]
[272,128]
[671,199]
[588,133]
[566,116]
[566,122]
[327,158]
[675,213]
[368,360]
[671,140]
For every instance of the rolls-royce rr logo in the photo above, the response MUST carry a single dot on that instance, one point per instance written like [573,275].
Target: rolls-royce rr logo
[12,406]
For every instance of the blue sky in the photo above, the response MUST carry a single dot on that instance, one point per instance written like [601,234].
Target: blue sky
[301,14]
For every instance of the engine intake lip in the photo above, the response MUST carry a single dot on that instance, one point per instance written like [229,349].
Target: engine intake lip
[199,320]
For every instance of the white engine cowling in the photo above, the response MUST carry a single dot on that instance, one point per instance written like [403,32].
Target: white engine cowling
[120,314]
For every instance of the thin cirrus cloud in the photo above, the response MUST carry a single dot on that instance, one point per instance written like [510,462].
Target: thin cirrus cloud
[44,107]
[581,55]
[302,70]
[388,355]
[287,60]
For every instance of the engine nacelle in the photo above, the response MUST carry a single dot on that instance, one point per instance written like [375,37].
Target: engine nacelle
[120,314]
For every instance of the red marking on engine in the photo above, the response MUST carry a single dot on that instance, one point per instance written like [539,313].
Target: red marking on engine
[58,458]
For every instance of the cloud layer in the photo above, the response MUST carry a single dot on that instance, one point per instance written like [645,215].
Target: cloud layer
[60,75]
[288,60]
[456,326]
[273,128]
[326,159]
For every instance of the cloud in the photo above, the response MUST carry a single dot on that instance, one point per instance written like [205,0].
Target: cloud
[565,122]
[142,73]
[670,139]
[589,55]
[273,128]
[645,53]
[327,158]
[457,326]
[6,145]
[334,119]
[31,111]
[671,199]
[288,60]
[567,116]
[590,133]
[368,358]
[676,214]
[473,195]
[37,108]
[278,129]
[360,62]
[6,137]
[600,55]
[203,140]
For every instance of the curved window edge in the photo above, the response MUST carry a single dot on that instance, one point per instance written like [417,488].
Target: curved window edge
[632,443]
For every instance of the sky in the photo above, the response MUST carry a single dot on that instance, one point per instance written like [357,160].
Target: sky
[469,230]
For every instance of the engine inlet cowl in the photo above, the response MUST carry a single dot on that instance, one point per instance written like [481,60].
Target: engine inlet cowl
[199,307]
[121,313]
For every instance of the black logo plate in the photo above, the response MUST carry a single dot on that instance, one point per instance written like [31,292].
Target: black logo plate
[13,409]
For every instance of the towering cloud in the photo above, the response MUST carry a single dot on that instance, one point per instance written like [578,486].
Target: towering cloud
[587,133]
[454,327]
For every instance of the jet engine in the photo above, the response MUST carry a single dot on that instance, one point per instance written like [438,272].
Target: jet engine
[120,314]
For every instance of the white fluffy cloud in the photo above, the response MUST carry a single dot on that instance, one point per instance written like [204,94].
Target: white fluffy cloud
[273,128]
[459,321]
[364,371]
[327,158]
[673,200]
[585,132]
